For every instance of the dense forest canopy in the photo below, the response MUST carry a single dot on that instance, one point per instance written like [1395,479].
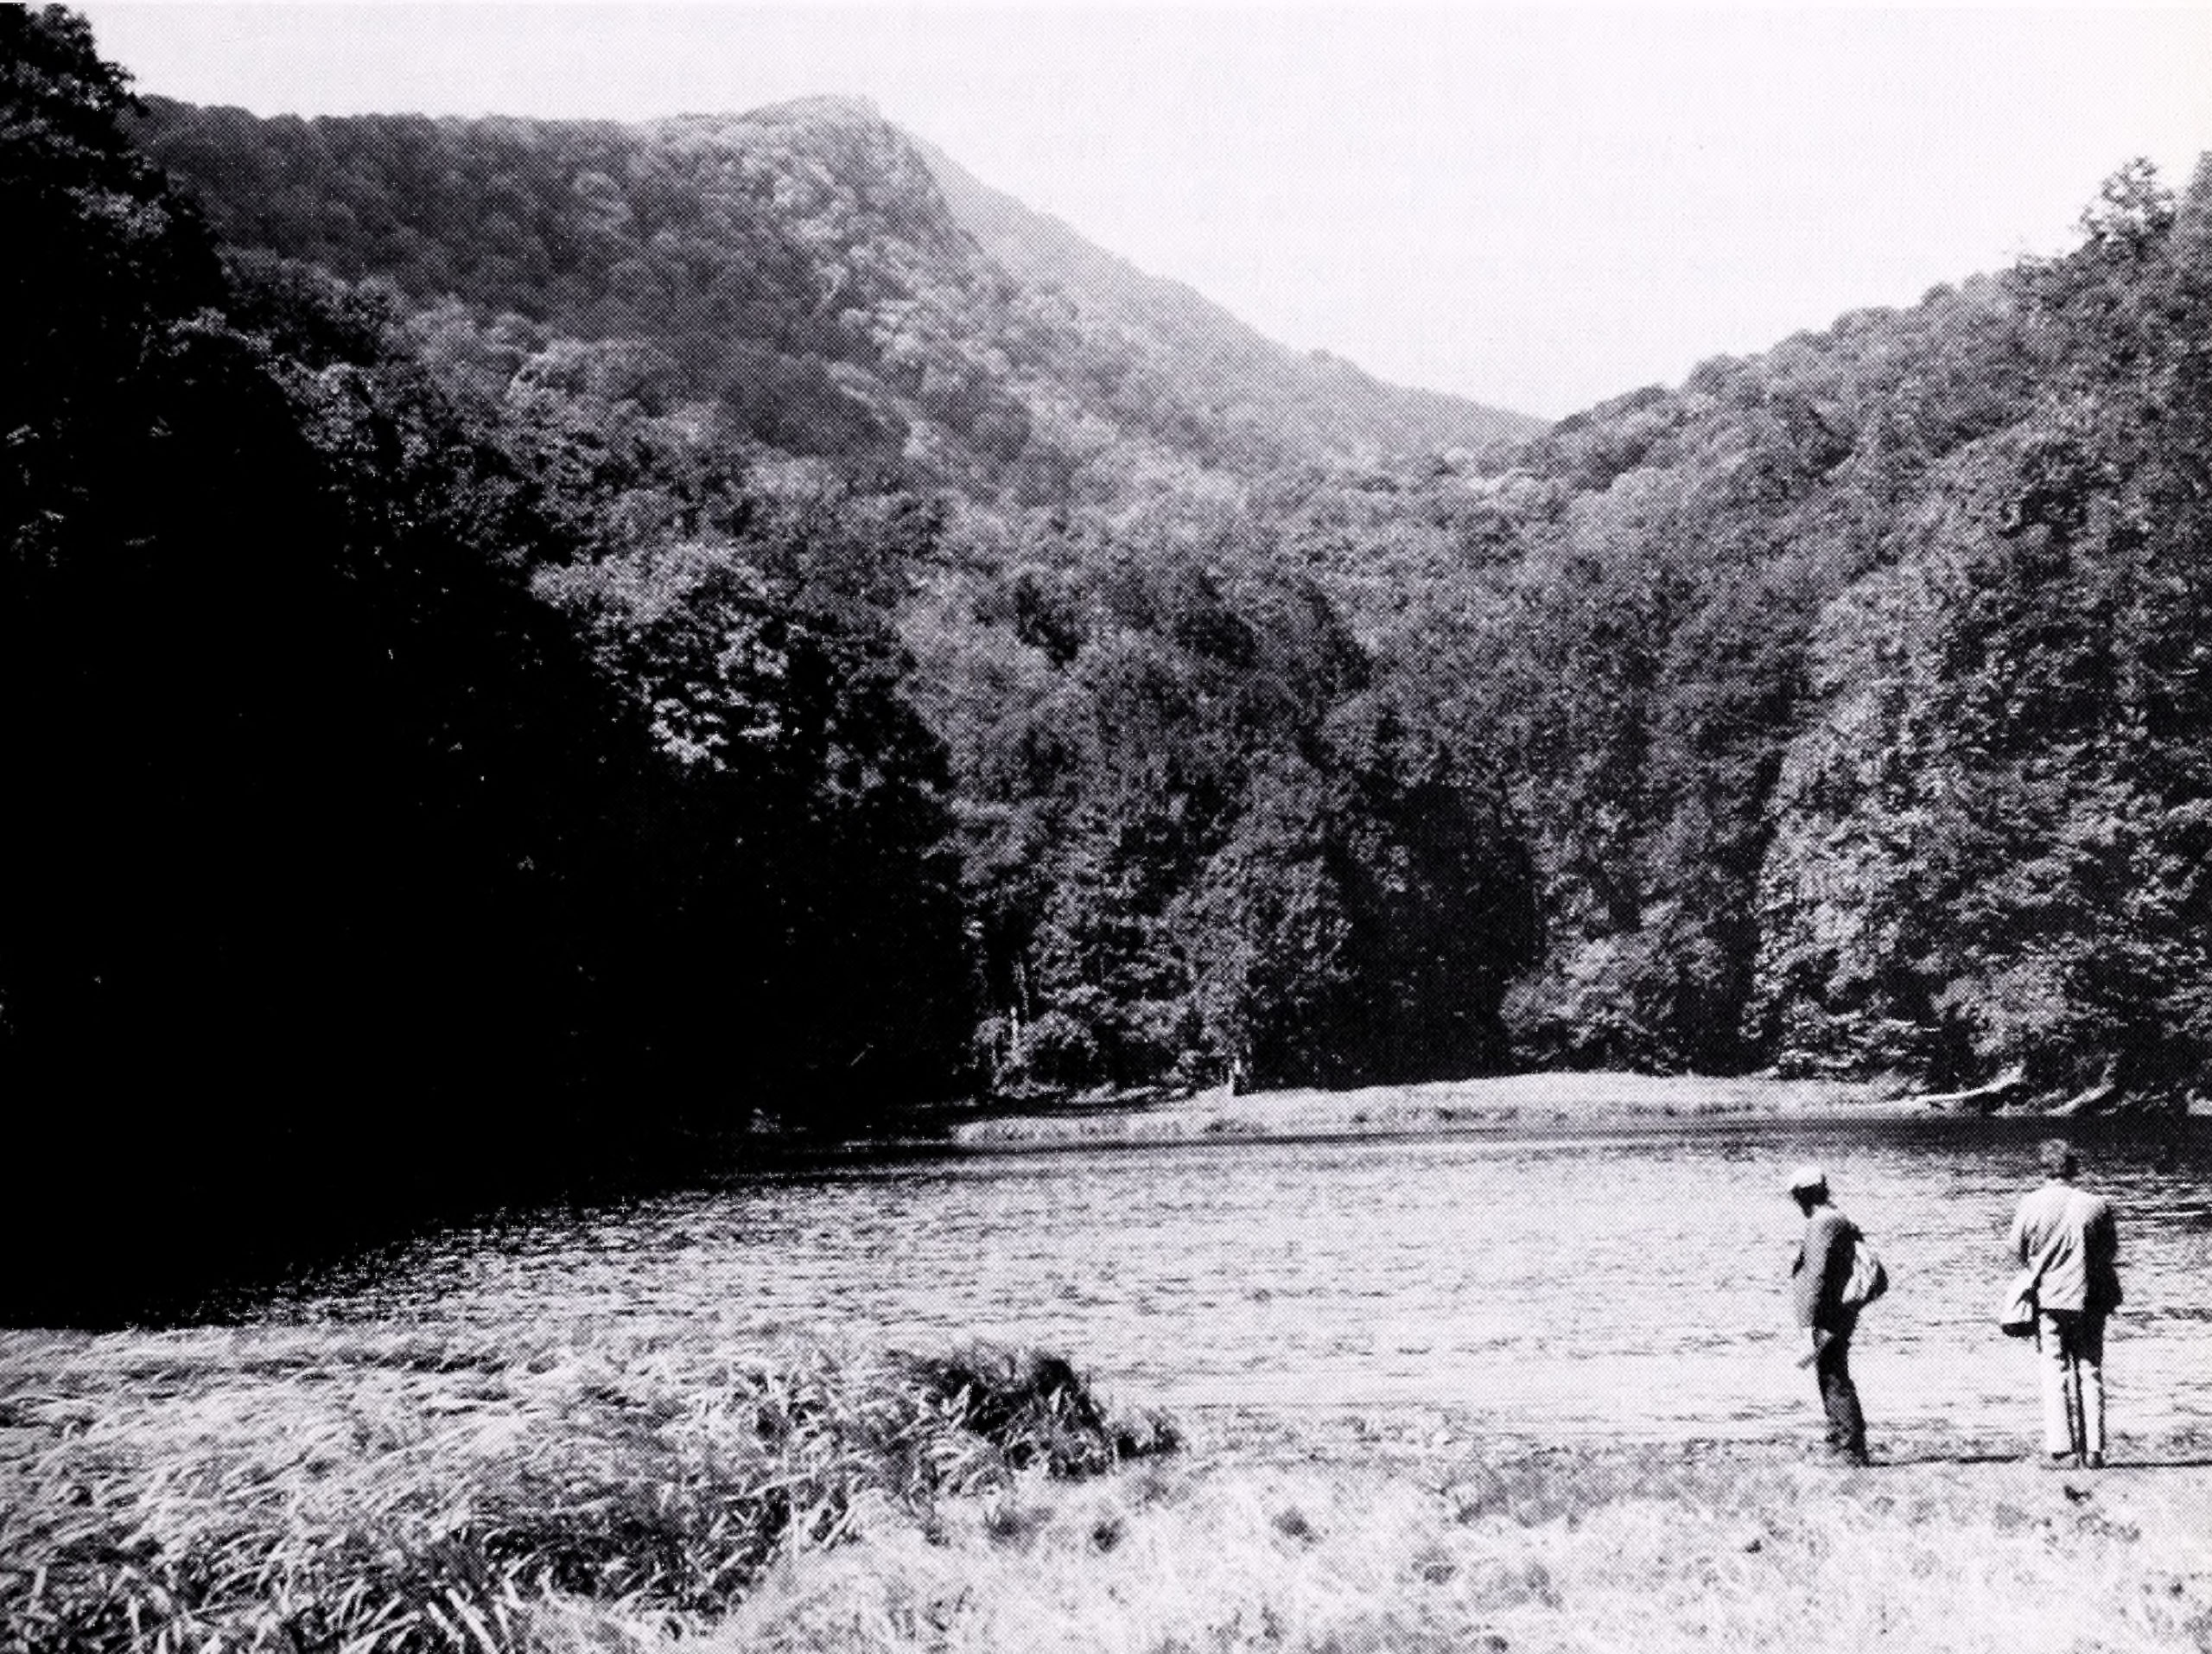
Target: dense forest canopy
[538,645]
[817,275]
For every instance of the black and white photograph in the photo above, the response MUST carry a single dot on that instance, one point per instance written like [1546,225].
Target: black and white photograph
[1226,828]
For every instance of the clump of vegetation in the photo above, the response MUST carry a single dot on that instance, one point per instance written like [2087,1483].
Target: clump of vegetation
[1035,1410]
[377,1501]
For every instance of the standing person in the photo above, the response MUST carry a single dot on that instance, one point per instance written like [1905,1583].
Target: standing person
[1817,1283]
[2071,1239]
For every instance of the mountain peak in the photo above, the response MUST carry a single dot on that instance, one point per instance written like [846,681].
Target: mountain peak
[828,109]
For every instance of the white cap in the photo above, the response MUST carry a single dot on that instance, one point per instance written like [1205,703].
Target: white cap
[1806,1179]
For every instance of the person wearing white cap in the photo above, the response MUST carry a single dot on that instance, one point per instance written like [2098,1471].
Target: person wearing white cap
[1818,1278]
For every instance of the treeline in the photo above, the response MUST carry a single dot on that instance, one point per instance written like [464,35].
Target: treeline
[1841,711]
[1205,839]
[1850,698]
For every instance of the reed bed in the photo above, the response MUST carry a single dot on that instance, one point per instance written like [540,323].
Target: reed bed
[318,1490]
[303,1490]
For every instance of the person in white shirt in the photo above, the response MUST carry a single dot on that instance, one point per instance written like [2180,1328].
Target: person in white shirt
[2070,1238]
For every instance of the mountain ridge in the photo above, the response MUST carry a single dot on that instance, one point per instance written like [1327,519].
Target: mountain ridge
[1342,404]
[850,293]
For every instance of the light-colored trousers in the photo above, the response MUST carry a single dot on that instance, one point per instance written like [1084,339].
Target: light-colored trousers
[2070,1348]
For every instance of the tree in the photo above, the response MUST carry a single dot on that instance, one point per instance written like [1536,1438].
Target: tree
[812,953]
[1992,824]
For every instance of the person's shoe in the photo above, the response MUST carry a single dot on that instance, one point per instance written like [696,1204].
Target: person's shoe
[2095,1461]
[2062,1461]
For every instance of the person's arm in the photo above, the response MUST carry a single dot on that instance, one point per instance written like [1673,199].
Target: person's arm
[2104,1251]
[1804,1285]
[1818,1286]
[2118,1295]
[2020,1237]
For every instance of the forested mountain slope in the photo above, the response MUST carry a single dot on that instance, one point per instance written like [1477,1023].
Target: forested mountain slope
[376,873]
[1854,698]
[1313,406]
[802,266]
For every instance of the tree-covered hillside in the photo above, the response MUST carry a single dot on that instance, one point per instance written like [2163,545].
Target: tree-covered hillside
[358,871]
[1296,406]
[801,264]
[1851,696]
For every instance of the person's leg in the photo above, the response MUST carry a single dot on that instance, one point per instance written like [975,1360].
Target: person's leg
[1840,1397]
[2050,1357]
[2089,1371]
[1823,1378]
[2070,1345]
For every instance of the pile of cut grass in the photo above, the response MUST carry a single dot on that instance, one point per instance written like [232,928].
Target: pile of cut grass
[298,1490]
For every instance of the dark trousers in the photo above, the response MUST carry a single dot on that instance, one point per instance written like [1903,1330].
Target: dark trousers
[1838,1396]
[2071,1346]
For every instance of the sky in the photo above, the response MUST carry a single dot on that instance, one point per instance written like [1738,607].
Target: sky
[1535,207]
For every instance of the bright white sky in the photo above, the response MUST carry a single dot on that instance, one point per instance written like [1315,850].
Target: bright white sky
[1534,207]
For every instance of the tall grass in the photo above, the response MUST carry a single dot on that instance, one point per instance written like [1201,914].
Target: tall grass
[311,1492]
[317,1491]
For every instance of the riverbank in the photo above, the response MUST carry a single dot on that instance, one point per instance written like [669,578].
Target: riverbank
[374,1489]
[1734,1549]
[1507,1101]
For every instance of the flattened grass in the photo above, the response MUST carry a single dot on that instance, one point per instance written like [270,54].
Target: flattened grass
[296,1490]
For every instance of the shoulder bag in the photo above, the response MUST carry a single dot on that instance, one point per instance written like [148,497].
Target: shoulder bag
[1868,1280]
[2018,1318]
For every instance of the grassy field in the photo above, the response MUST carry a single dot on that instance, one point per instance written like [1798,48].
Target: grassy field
[324,1488]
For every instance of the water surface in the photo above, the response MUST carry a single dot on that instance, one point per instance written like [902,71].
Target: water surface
[1626,1283]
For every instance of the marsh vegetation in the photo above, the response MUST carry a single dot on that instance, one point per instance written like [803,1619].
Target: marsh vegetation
[318,1489]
